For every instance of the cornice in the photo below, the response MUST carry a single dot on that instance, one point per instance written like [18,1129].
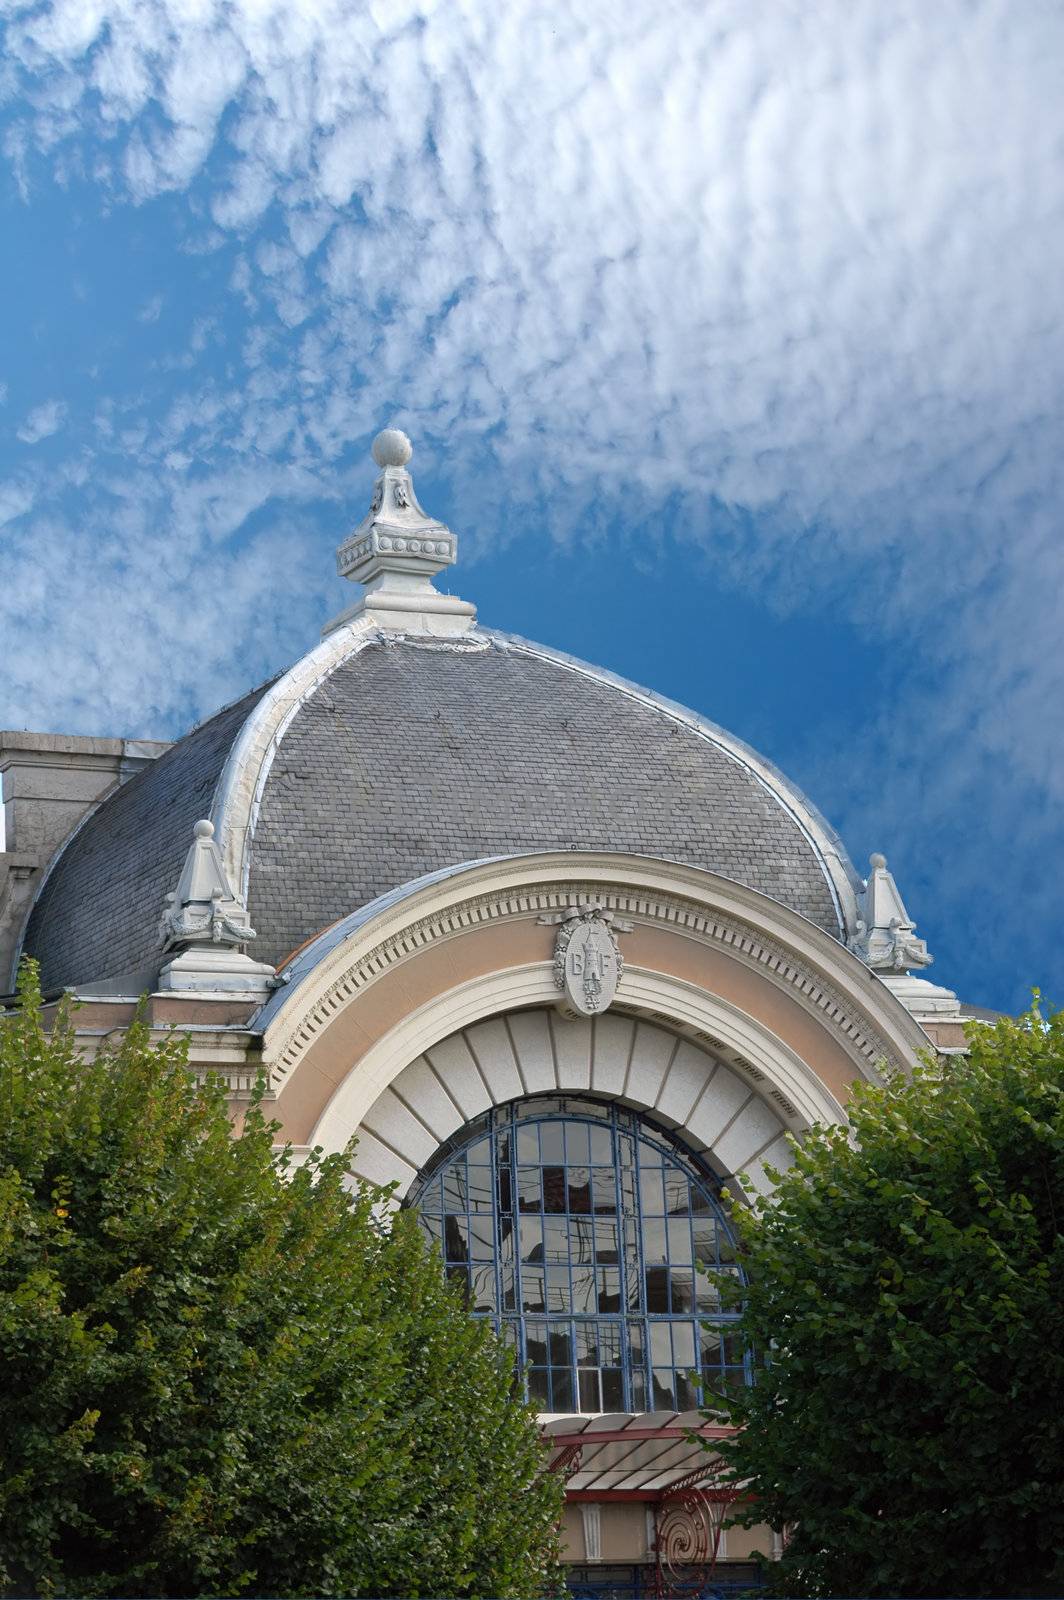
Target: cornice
[350,967]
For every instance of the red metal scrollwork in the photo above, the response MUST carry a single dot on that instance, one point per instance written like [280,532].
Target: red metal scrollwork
[687,1525]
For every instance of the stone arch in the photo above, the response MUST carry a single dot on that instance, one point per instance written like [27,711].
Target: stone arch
[715,1104]
[753,986]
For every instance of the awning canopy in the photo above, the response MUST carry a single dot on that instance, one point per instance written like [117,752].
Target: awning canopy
[634,1455]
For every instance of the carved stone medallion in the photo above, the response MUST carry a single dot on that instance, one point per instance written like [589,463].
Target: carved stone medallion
[587,960]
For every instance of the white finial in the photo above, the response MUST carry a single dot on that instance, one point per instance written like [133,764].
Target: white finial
[392,448]
[886,937]
[203,907]
[204,927]
[396,551]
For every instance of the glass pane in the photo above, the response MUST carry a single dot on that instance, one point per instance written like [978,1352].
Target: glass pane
[562,1385]
[585,1290]
[609,1344]
[457,1248]
[705,1240]
[660,1344]
[480,1232]
[558,1235]
[604,1190]
[558,1289]
[680,1243]
[609,1288]
[482,1290]
[683,1344]
[586,1335]
[601,1147]
[536,1343]
[552,1142]
[505,1190]
[663,1396]
[654,1250]
[531,1239]
[532,1290]
[589,1389]
[677,1189]
[554,1189]
[709,1339]
[561,1344]
[528,1145]
[529,1189]
[686,1392]
[612,1389]
[605,1243]
[578,1144]
[479,1154]
[579,1183]
[480,1189]
[538,1392]
[707,1292]
[683,1291]
[454,1188]
[657,1291]
[651,1193]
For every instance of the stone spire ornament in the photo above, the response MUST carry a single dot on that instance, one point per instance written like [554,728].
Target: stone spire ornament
[886,941]
[886,937]
[397,550]
[208,927]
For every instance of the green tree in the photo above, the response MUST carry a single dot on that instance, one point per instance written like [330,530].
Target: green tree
[906,1310]
[221,1375]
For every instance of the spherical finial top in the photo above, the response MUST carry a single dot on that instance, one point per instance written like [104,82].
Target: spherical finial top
[392,448]
[204,829]
[876,860]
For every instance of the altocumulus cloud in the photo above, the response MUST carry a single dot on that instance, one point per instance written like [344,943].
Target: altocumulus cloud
[792,272]
[42,422]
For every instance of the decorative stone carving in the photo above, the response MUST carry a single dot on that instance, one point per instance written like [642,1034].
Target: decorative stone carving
[886,937]
[203,907]
[587,960]
[397,550]
[209,926]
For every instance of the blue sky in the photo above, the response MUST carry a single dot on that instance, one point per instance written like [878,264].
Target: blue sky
[729,337]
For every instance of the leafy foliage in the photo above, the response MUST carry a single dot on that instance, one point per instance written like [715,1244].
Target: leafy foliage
[223,1375]
[906,1299]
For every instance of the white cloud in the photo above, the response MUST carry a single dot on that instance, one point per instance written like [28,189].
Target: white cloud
[42,422]
[792,272]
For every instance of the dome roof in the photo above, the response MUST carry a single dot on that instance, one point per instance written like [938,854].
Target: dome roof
[380,757]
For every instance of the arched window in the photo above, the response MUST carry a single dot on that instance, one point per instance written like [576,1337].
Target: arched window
[578,1228]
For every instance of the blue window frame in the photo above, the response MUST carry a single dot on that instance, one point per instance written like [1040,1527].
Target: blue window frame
[581,1230]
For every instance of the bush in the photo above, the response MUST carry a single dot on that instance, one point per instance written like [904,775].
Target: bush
[906,1298]
[222,1375]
